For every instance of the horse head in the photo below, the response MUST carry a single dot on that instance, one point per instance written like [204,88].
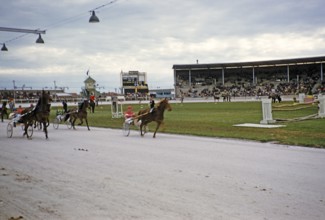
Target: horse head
[164,104]
[86,103]
[43,104]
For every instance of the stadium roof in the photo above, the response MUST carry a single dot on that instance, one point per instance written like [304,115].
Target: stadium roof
[251,64]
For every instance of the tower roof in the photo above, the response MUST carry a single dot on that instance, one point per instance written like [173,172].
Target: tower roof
[89,80]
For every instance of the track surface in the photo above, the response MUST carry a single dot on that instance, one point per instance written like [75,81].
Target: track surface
[100,174]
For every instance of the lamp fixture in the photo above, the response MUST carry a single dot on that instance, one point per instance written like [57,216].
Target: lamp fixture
[4,48]
[27,31]
[40,39]
[93,18]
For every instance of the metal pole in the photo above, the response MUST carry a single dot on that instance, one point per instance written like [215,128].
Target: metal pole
[189,78]
[175,83]
[19,30]
[223,76]
[321,72]
[13,81]
[254,76]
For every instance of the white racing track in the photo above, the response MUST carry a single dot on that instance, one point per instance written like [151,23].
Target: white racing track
[100,174]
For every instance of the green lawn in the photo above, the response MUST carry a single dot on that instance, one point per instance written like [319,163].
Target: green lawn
[217,120]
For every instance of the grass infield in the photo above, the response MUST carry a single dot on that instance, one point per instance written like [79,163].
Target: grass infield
[217,120]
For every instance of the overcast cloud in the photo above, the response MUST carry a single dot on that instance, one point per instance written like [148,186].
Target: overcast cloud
[150,36]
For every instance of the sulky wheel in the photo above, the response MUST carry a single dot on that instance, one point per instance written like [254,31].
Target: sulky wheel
[9,130]
[30,131]
[68,123]
[126,129]
[56,123]
[145,129]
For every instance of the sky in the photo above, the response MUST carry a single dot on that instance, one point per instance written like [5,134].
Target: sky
[149,36]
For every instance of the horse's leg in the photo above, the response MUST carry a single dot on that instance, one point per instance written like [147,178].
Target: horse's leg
[157,127]
[81,121]
[73,120]
[47,122]
[45,129]
[87,124]
[25,129]
[141,129]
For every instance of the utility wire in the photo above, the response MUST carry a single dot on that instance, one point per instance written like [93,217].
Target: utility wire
[16,38]
[104,5]
[76,17]
[63,22]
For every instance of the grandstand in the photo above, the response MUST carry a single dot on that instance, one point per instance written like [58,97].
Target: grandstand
[134,84]
[255,78]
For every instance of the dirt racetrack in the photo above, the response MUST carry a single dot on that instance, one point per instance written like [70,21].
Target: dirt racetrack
[100,174]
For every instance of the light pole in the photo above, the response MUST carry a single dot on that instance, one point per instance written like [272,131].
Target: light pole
[13,81]
[55,90]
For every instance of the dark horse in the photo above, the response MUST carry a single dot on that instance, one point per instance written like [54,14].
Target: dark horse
[40,114]
[4,110]
[157,115]
[81,113]
[274,97]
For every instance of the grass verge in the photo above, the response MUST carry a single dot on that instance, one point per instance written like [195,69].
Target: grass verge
[217,120]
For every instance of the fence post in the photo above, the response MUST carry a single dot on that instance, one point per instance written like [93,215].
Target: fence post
[321,111]
[267,112]
[302,98]
[116,108]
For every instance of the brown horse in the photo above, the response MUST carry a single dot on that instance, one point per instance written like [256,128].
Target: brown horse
[157,115]
[4,110]
[81,113]
[274,97]
[40,114]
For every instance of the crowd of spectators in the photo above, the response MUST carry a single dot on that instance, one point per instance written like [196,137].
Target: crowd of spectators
[308,86]
[136,96]
[19,94]
[240,84]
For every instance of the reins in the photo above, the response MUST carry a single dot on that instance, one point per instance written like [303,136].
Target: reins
[138,116]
